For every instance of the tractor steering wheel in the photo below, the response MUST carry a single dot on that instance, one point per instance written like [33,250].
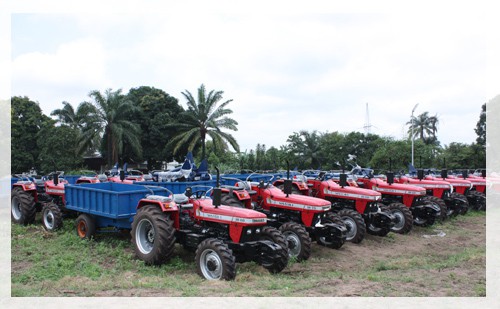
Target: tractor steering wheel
[199,193]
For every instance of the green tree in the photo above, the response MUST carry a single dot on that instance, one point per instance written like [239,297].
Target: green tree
[306,147]
[424,127]
[156,111]
[110,119]
[27,120]
[204,118]
[58,150]
[481,127]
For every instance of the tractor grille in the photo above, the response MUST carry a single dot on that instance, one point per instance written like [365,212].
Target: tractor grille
[251,233]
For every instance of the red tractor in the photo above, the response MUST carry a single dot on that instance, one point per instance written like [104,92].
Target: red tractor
[461,188]
[300,218]
[31,196]
[359,208]
[477,194]
[424,212]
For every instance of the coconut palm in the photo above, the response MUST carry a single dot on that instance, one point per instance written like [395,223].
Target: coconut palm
[424,127]
[108,120]
[205,119]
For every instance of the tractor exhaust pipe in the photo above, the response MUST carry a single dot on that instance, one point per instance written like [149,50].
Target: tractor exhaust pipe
[287,184]
[217,196]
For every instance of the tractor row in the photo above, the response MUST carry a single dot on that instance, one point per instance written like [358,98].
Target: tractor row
[267,221]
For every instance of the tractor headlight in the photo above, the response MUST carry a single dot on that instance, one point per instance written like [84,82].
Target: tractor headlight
[249,231]
[257,230]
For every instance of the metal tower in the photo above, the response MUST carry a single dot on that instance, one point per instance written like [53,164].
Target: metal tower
[367,125]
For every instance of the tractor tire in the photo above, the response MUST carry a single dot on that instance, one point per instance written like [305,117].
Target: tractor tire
[51,217]
[272,234]
[23,210]
[481,198]
[442,207]
[85,226]
[356,227]
[215,261]
[375,230]
[418,221]
[297,239]
[465,209]
[404,218]
[322,241]
[229,200]
[153,235]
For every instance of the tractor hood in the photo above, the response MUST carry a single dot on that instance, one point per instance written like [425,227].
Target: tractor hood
[228,214]
[426,183]
[336,190]
[395,188]
[455,181]
[298,202]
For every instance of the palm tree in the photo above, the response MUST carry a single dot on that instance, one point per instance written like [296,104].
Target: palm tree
[424,127]
[204,118]
[108,119]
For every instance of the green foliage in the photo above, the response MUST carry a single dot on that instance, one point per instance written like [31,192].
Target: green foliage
[204,119]
[27,120]
[481,127]
[424,127]
[58,150]
[463,156]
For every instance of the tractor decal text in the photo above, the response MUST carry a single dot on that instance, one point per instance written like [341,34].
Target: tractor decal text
[430,186]
[385,190]
[54,191]
[230,219]
[361,196]
[272,202]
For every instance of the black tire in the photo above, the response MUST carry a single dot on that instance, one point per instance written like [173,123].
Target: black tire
[404,218]
[215,261]
[85,226]
[153,235]
[322,241]
[297,239]
[229,200]
[480,200]
[465,206]
[51,217]
[272,234]
[23,209]
[442,207]
[428,221]
[355,224]
[375,230]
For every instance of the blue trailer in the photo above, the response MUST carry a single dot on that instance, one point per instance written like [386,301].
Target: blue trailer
[107,205]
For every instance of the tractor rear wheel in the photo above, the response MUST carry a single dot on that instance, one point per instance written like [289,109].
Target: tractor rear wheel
[85,226]
[23,210]
[403,218]
[51,217]
[229,200]
[274,235]
[355,224]
[297,239]
[323,241]
[153,235]
[215,261]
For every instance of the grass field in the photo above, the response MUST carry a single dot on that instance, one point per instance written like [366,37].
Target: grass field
[422,263]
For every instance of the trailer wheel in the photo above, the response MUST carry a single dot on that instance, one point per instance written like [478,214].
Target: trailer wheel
[403,216]
[229,200]
[85,226]
[215,261]
[297,240]
[51,217]
[356,227]
[23,210]
[153,235]
[274,235]
[330,243]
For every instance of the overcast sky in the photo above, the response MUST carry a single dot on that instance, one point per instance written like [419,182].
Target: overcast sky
[287,67]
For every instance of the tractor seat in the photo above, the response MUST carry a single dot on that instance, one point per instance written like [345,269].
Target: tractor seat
[180,198]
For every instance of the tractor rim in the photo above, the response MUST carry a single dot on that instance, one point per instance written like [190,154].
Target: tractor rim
[294,243]
[211,265]
[82,229]
[15,208]
[48,219]
[352,228]
[399,219]
[145,235]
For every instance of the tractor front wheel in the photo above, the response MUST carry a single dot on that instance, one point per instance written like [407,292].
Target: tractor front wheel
[23,210]
[51,217]
[85,226]
[297,239]
[403,218]
[356,227]
[153,235]
[215,261]
[272,234]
